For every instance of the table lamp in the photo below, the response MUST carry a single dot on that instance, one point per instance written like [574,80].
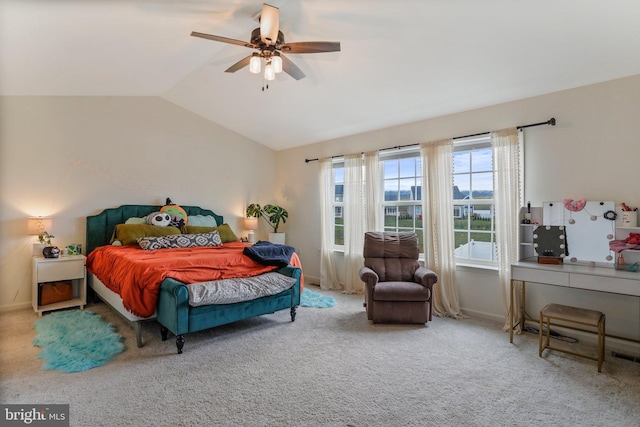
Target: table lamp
[251,224]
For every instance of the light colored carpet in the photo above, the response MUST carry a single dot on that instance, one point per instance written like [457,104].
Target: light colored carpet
[331,367]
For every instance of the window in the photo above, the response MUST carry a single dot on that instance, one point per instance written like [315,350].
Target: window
[338,199]
[473,203]
[402,187]
[402,190]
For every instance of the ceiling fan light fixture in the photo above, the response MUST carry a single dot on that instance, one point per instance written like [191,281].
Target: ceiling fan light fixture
[269,73]
[276,62]
[254,63]
[269,42]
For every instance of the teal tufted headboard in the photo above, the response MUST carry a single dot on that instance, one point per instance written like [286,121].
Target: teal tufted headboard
[100,227]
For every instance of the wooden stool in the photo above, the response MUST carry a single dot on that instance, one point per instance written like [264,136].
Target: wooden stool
[580,316]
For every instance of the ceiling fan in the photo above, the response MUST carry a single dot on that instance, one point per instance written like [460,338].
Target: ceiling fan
[268,40]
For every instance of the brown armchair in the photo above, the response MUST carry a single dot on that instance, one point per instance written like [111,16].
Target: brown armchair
[397,288]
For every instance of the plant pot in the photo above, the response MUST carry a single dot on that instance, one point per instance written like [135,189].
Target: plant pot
[277,238]
[51,252]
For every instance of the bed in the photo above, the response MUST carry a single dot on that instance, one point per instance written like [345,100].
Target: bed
[171,306]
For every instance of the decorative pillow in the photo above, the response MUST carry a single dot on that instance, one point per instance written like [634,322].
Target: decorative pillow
[128,234]
[159,219]
[197,229]
[179,216]
[203,220]
[180,241]
[135,220]
[226,233]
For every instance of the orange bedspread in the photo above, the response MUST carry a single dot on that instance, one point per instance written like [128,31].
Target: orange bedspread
[135,274]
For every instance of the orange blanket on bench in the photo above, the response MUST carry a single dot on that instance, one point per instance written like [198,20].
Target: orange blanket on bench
[135,274]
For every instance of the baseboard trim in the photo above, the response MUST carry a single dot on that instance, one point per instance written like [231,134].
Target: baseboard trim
[483,315]
[311,280]
[14,307]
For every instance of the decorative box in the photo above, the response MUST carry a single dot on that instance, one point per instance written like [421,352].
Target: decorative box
[52,292]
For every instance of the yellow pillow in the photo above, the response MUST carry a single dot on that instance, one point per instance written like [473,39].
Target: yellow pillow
[128,234]
[225,232]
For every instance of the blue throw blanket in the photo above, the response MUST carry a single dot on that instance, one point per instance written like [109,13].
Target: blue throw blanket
[268,253]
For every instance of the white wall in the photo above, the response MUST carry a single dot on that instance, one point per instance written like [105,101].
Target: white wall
[70,157]
[592,153]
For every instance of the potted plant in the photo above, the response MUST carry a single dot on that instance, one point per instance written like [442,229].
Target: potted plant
[273,215]
[48,250]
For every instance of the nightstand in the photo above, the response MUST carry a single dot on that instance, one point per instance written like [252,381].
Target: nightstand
[67,269]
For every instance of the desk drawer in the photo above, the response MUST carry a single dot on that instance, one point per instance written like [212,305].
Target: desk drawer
[540,276]
[606,284]
[61,270]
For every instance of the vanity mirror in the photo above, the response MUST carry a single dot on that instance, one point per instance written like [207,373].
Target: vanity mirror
[588,228]
[549,243]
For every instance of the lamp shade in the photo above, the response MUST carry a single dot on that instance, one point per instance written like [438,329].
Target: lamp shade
[39,225]
[276,60]
[254,63]
[251,223]
[269,72]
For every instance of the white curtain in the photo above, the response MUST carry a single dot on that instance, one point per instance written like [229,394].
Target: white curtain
[437,210]
[354,221]
[328,272]
[508,199]
[361,198]
[373,188]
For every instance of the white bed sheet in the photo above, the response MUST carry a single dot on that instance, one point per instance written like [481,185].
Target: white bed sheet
[114,300]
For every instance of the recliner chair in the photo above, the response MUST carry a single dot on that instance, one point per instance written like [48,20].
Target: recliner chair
[397,288]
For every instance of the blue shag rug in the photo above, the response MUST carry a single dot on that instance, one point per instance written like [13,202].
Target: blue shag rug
[74,341]
[314,299]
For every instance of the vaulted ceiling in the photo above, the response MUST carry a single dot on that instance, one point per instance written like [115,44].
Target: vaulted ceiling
[401,61]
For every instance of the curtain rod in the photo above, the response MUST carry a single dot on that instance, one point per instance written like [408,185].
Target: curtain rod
[550,122]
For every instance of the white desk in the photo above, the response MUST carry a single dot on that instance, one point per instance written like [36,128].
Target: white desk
[600,279]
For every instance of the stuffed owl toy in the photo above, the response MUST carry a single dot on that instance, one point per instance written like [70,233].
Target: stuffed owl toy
[159,219]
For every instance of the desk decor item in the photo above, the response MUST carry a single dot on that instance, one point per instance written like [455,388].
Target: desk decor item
[549,243]
[50,252]
[75,249]
[75,341]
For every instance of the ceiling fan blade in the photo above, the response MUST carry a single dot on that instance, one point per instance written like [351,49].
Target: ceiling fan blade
[269,24]
[239,65]
[223,39]
[291,68]
[310,47]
